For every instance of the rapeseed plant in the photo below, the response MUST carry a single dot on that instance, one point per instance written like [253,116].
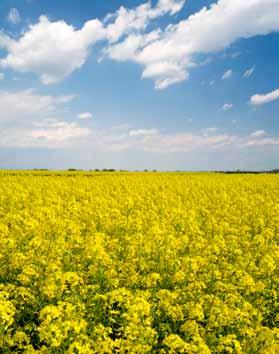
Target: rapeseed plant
[139,263]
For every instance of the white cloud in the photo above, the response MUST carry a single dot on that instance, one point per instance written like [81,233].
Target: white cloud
[258,133]
[249,72]
[143,132]
[125,21]
[57,132]
[182,141]
[127,49]
[227,106]
[85,115]
[49,134]
[269,141]
[210,30]
[36,128]
[14,16]
[2,76]
[260,99]
[53,50]
[171,6]
[5,40]
[227,74]
[165,74]
[28,104]
[26,120]
[156,141]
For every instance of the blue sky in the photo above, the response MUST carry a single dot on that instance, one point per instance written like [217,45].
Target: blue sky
[167,84]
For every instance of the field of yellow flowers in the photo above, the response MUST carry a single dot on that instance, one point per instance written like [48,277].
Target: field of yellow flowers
[138,263]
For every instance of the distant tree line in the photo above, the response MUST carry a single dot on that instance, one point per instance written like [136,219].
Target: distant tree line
[238,171]
[249,172]
[110,170]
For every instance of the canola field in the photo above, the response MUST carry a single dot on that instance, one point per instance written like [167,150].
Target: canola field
[138,263]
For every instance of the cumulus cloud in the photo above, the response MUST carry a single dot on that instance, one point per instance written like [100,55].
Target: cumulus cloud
[85,115]
[127,49]
[258,133]
[53,50]
[261,99]
[227,74]
[249,72]
[14,16]
[125,21]
[5,41]
[168,59]
[2,76]
[227,106]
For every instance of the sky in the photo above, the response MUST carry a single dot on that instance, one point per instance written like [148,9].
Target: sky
[163,84]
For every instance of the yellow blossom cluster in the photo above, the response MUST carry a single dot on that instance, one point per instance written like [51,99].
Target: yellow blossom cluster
[139,263]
